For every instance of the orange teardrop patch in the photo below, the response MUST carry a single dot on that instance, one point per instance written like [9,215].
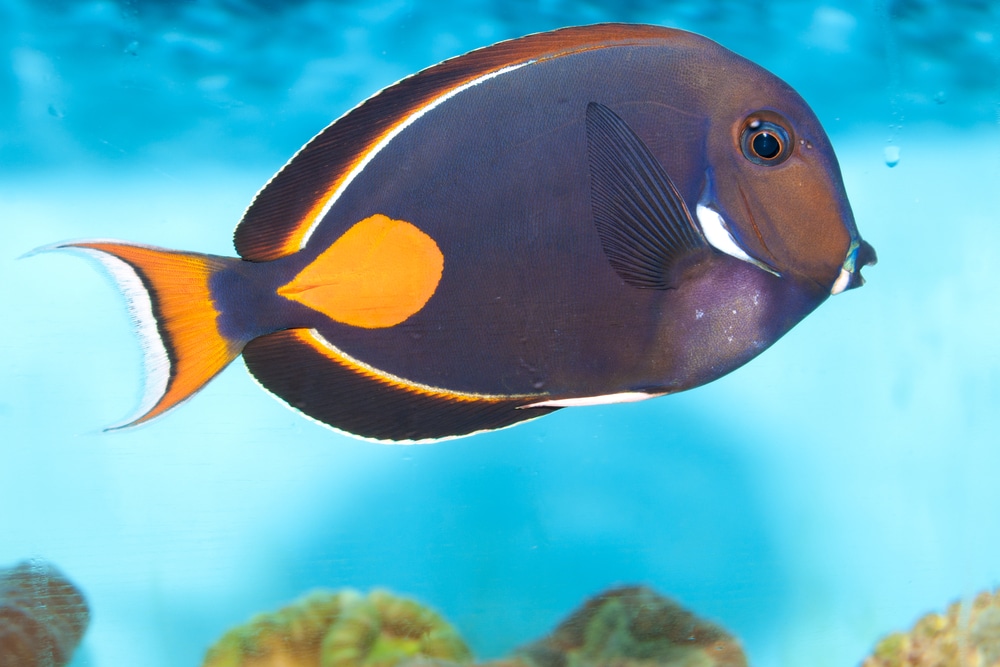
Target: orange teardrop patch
[380,272]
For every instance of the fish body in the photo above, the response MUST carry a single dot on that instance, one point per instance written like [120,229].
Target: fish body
[590,215]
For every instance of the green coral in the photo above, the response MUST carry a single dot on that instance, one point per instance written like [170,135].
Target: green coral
[383,630]
[340,629]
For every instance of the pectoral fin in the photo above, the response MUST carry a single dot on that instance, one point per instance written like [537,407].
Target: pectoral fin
[644,224]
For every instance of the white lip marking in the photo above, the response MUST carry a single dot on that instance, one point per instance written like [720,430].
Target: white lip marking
[717,233]
[840,284]
[847,270]
[624,397]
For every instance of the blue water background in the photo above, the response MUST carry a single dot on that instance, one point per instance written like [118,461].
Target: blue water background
[829,492]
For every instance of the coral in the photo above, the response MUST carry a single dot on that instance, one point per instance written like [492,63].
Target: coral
[383,630]
[634,627]
[625,627]
[42,616]
[966,635]
[289,637]
[342,629]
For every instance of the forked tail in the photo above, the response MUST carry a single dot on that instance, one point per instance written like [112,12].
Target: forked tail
[172,308]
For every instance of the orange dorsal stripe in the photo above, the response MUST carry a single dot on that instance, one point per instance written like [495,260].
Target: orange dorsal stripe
[184,315]
[379,273]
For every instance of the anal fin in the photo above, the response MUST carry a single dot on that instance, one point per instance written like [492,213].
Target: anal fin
[316,378]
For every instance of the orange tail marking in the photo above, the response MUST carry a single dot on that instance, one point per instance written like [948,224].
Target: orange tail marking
[182,321]
[379,273]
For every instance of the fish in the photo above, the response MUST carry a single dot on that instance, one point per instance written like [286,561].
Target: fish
[592,215]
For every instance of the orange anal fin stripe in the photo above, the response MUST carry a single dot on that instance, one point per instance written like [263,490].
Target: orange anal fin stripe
[172,307]
[314,377]
[379,273]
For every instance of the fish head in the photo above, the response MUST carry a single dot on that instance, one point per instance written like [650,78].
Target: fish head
[774,185]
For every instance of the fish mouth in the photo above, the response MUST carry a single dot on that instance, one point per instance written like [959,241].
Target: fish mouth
[859,255]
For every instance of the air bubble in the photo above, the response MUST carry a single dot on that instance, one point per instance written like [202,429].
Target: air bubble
[891,154]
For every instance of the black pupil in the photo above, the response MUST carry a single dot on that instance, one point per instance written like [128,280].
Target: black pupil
[766,145]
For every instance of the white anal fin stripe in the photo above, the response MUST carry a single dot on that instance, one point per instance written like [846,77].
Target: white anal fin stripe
[606,399]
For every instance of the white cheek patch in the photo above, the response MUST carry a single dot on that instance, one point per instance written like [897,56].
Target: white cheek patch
[714,229]
[623,397]
[718,235]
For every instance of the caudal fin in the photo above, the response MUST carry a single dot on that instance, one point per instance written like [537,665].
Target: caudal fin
[172,307]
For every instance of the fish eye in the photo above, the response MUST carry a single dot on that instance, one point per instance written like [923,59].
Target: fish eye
[765,142]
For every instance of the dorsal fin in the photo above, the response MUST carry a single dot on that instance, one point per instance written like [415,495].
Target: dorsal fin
[284,213]
[644,224]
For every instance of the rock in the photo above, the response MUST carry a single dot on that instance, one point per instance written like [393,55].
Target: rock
[42,616]
[634,627]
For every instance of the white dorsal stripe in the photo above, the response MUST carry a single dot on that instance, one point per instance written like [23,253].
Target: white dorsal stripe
[714,227]
[623,397]
[412,118]
[156,362]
